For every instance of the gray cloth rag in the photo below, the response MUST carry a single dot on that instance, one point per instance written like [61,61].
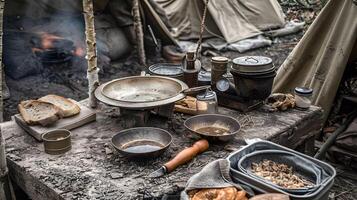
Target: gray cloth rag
[213,175]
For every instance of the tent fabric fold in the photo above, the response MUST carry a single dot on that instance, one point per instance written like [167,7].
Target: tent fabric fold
[320,58]
[233,20]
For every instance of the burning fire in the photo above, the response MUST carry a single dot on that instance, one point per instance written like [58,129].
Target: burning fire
[79,51]
[48,41]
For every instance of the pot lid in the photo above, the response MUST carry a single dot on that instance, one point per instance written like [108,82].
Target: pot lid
[166,69]
[303,90]
[252,61]
[207,95]
[219,59]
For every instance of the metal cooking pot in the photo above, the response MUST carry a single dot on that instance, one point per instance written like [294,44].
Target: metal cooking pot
[253,86]
[143,92]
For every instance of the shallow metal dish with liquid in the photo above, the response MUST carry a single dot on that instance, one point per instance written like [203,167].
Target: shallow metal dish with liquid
[142,142]
[210,127]
[141,92]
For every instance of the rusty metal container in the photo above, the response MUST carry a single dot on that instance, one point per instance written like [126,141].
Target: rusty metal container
[191,68]
[218,68]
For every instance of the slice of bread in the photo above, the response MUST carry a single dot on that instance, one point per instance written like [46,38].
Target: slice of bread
[68,107]
[36,112]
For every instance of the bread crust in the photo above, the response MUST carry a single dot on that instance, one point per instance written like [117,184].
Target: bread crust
[35,112]
[68,107]
[228,193]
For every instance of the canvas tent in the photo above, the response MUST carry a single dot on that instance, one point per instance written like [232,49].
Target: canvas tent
[320,58]
[230,19]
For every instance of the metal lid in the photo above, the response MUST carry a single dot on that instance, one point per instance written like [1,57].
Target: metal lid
[252,61]
[207,95]
[204,76]
[166,69]
[219,59]
[303,90]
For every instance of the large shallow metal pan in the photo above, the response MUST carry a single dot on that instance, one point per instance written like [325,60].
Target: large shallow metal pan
[142,142]
[210,127]
[141,92]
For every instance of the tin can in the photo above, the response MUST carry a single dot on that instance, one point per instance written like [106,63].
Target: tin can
[207,102]
[218,68]
[57,141]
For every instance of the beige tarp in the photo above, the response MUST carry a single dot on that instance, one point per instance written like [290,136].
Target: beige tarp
[232,20]
[320,58]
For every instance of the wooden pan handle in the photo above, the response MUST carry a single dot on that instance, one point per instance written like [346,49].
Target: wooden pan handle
[187,154]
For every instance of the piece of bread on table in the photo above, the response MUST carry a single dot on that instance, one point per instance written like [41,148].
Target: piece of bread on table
[36,112]
[68,107]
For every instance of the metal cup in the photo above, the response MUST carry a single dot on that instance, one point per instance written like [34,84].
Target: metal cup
[57,141]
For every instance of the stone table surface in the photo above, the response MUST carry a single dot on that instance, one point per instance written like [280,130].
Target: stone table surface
[93,170]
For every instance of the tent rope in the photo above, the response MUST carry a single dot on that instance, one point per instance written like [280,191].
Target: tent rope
[202,27]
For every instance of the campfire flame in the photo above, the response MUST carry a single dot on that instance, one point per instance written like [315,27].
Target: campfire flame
[48,40]
[79,51]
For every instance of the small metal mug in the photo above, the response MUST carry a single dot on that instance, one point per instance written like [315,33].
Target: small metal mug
[57,141]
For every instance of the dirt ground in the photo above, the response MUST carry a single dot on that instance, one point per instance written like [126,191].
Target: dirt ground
[75,85]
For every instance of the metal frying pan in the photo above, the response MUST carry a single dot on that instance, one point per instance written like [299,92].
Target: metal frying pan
[142,89]
[213,127]
[143,92]
[142,142]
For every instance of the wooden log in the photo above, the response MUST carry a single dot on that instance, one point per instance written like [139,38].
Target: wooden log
[2,4]
[4,192]
[3,168]
[92,72]
[139,32]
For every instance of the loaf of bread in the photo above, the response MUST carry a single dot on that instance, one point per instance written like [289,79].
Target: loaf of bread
[35,112]
[67,107]
[228,193]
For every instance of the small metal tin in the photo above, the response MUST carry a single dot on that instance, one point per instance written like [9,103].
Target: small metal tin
[204,78]
[167,69]
[57,141]
[218,68]
[207,102]
[252,64]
